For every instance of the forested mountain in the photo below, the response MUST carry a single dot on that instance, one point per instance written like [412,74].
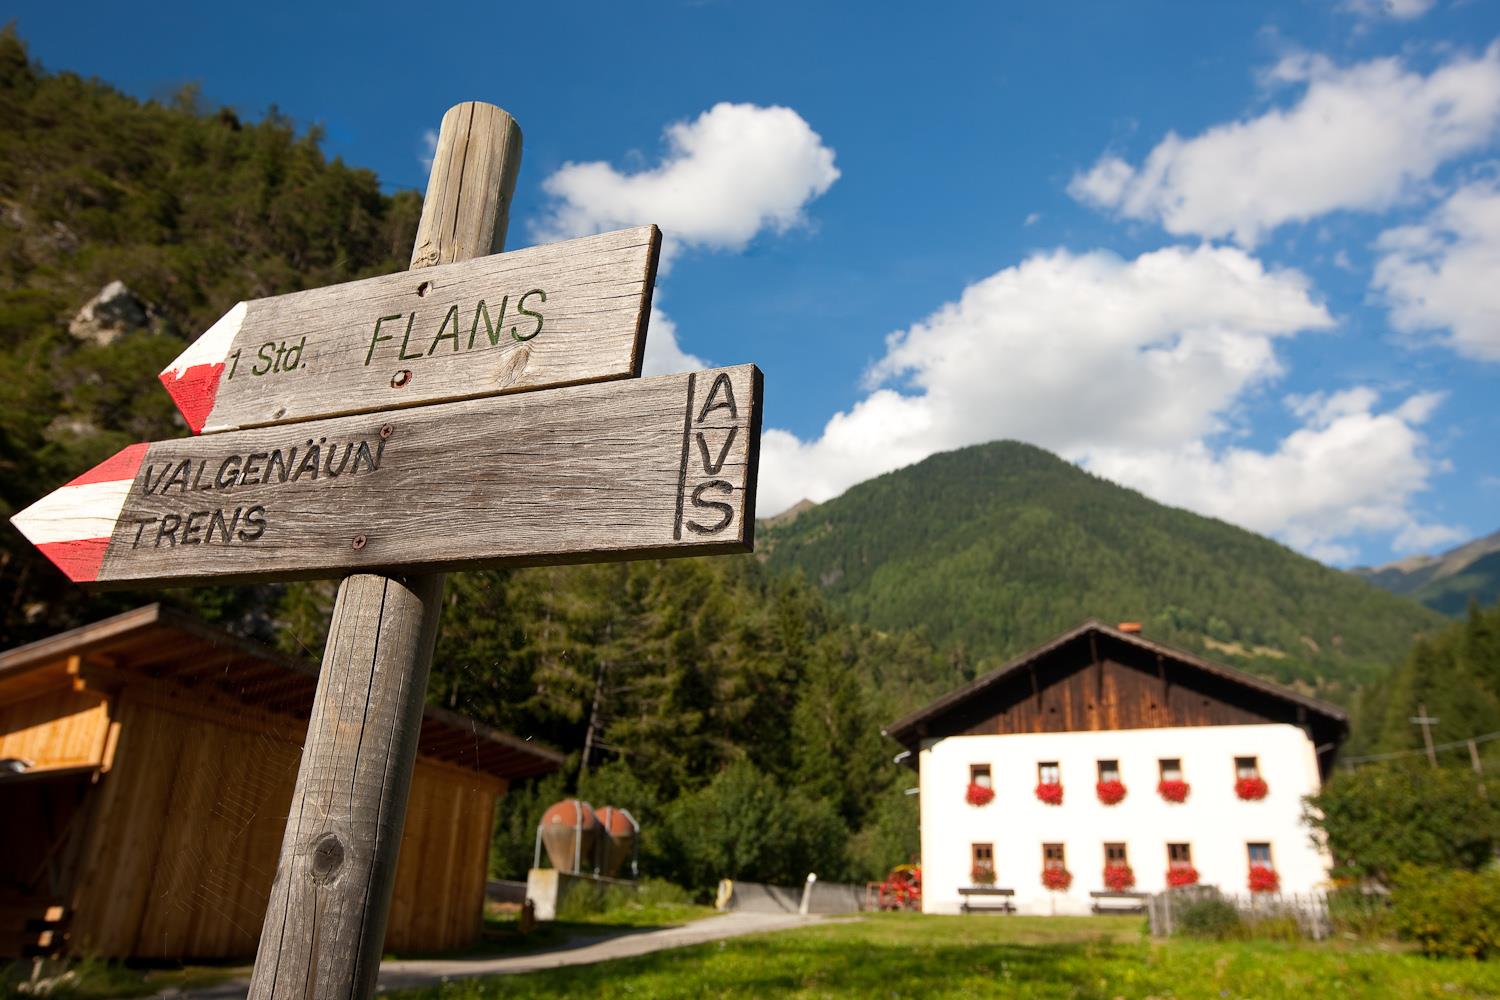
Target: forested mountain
[193,210]
[1446,582]
[1453,674]
[997,547]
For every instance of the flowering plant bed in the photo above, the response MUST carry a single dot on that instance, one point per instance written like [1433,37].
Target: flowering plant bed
[982,875]
[1264,879]
[1118,878]
[1110,792]
[1057,879]
[1173,790]
[1251,789]
[978,795]
[1050,792]
[1182,875]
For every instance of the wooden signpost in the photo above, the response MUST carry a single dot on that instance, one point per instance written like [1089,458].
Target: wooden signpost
[545,316]
[381,429]
[618,470]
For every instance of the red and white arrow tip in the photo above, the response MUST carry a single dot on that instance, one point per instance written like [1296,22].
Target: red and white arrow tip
[193,379]
[73,524]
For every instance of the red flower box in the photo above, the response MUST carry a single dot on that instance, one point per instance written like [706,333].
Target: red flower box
[1057,879]
[1251,789]
[1173,790]
[1050,792]
[1264,879]
[1110,792]
[1185,875]
[982,875]
[978,795]
[1118,878]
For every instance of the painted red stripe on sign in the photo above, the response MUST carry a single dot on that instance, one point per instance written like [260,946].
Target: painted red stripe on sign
[194,392]
[79,559]
[123,464]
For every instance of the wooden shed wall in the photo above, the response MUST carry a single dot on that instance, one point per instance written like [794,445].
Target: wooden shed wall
[59,727]
[188,825]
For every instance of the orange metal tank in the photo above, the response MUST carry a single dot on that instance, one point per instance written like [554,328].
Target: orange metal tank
[569,831]
[617,841]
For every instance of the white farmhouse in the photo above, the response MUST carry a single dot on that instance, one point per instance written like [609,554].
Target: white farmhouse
[1053,783]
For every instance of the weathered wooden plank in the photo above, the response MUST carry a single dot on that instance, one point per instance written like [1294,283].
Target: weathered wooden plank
[546,316]
[633,469]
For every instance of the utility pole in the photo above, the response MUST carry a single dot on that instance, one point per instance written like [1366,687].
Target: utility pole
[1478,768]
[1426,722]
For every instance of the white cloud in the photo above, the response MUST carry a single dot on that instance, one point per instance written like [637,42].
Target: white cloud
[1131,367]
[428,150]
[1350,469]
[1363,137]
[1399,10]
[1441,275]
[732,172]
[664,356]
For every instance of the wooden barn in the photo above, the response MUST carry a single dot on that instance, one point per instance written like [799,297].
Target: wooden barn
[146,770]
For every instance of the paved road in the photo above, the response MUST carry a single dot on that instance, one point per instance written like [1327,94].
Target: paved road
[430,972]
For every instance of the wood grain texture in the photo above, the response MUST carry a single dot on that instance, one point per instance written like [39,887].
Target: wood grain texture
[632,469]
[552,315]
[331,899]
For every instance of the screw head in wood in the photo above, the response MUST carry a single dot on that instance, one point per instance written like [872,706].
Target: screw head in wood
[359,541]
[400,378]
[386,430]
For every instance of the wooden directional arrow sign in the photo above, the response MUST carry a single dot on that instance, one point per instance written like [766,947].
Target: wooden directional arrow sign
[553,315]
[633,469]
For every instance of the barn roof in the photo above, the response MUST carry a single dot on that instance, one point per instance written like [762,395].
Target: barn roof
[159,643]
[929,720]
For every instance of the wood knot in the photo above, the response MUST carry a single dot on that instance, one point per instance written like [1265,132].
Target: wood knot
[327,858]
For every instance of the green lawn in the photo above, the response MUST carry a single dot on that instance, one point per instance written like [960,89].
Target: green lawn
[903,955]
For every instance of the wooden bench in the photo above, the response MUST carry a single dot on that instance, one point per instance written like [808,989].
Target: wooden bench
[1119,902]
[985,893]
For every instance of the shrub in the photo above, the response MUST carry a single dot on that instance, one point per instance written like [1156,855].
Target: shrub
[1360,914]
[1448,913]
[1208,916]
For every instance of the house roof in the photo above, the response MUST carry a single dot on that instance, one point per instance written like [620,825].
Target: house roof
[159,643]
[909,729]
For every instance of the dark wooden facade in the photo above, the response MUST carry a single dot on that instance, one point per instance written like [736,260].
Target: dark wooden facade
[1099,678]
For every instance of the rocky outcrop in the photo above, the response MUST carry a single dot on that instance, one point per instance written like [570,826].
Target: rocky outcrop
[114,311]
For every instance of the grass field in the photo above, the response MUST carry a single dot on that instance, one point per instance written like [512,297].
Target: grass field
[903,956]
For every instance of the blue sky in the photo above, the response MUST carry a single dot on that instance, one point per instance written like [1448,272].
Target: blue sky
[1240,256]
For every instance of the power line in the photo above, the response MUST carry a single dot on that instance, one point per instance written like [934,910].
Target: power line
[1396,755]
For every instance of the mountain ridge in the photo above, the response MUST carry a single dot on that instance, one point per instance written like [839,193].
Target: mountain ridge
[1445,582]
[993,548]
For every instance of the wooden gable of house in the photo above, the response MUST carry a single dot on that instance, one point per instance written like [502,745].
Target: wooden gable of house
[1098,678]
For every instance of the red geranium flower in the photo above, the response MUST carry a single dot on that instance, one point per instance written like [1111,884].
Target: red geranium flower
[1118,878]
[982,875]
[1057,878]
[1110,792]
[1050,792]
[1264,879]
[978,795]
[1173,790]
[1184,875]
[1250,789]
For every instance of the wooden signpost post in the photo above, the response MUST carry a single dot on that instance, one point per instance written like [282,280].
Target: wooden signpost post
[380,429]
